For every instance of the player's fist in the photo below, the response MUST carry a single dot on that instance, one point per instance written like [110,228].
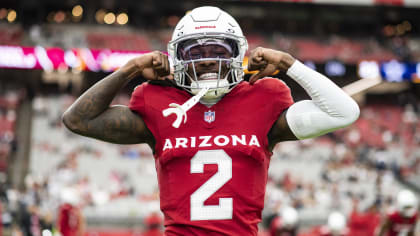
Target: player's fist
[151,66]
[267,61]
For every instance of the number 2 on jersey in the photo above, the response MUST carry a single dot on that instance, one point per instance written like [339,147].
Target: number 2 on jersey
[224,210]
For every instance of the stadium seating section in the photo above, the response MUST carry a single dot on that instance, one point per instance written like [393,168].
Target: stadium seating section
[348,50]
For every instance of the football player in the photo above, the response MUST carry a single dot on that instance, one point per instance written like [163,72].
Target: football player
[403,219]
[286,223]
[70,221]
[336,225]
[211,132]
[364,223]
[153,223]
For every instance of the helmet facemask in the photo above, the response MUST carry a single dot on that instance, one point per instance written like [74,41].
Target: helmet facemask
[408,211]
[203,27]
[225,72]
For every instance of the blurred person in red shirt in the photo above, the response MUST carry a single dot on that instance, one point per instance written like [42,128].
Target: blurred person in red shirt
[403,219]
[153,225]
[364,223]
[70,219]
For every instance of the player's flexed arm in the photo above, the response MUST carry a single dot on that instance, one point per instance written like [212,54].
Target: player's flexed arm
[330,108]
[91,114]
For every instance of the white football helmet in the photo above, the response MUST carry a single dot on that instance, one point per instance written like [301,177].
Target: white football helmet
[290,217]
[69,195]
[336,223]
[207,26]
[406,203]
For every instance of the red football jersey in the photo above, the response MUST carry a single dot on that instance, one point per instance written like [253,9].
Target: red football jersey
[400,224]
[212,170]
[68,220]
[363,223]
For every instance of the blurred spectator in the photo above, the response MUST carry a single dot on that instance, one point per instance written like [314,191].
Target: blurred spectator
[364,223]
[70,219]
[336,226]
[286,223]
[403,219]
[153,224]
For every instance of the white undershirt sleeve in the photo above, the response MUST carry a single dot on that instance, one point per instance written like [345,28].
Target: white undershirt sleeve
[330,108]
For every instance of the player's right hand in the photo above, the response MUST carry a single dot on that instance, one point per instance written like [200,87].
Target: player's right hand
[267,61]
[152,66]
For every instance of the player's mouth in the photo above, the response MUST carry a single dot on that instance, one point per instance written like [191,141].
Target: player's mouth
[208,76]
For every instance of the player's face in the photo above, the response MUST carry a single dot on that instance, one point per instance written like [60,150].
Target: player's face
[207,51]
[207,69]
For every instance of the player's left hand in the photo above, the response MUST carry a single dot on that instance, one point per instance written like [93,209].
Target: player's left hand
[267,61]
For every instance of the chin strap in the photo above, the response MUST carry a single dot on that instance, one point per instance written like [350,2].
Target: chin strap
[181,110]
